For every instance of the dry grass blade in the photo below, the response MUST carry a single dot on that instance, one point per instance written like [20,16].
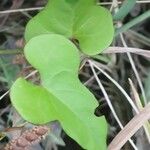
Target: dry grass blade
[109,103]
[2,96]
[117,85]
[15,5]
[21,10]
[111,50]
[120,2]
[39,8]
[140,107]
[135,95]
[134,70]
[130,129]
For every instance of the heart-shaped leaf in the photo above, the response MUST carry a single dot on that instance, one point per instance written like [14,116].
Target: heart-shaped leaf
[79,20]
[61,95]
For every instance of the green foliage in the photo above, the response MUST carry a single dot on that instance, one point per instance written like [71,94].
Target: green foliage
[53,50]
[82,20]
[62,96]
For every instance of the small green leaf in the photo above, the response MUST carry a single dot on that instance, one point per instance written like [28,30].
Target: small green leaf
[61,95]
[30,100]
[82,20]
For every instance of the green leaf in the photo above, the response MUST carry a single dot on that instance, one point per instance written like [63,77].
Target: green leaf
[31,104]
[61,95]
[82,20]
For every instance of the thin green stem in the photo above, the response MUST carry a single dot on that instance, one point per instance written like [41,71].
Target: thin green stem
[133,22]
[10,51]
[126,7]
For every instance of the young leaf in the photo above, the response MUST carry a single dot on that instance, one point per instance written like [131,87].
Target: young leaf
[81,20]
[33,102]
[61,95]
